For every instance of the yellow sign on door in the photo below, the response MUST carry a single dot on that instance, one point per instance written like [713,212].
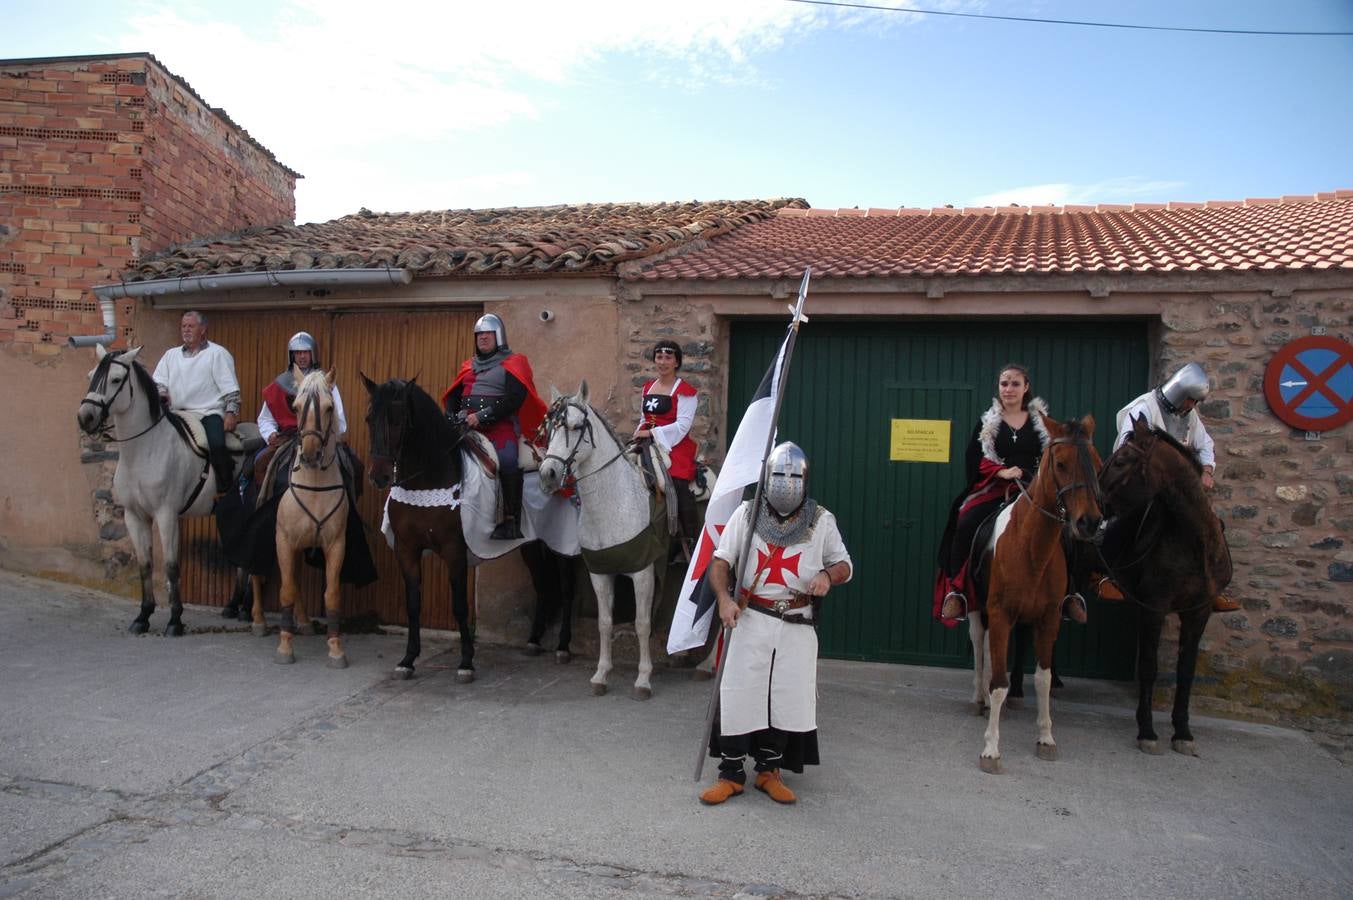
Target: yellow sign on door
[919,440]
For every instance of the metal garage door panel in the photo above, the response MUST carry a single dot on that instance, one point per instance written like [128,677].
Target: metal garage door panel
[850,379]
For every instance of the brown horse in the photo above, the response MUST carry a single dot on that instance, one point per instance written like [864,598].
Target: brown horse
[313,513]
[415,451]
[1166,550]
[1029,569]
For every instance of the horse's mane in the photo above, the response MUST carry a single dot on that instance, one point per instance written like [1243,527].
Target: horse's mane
[99,381]
[430,432]
[314,383]
[1189,456]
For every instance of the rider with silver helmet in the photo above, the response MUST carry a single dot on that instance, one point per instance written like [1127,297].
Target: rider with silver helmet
[1171,408]
[277,420]
[796,556]
[495,393]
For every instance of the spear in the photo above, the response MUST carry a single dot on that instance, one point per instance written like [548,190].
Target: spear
[725,633]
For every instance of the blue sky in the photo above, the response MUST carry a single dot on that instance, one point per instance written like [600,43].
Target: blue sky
[404,106]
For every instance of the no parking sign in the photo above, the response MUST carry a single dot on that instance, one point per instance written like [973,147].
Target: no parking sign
[1309,383]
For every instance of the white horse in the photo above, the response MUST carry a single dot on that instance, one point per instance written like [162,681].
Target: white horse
[160,475]
[615,512]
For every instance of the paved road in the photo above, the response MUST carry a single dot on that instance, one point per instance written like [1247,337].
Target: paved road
[194,767]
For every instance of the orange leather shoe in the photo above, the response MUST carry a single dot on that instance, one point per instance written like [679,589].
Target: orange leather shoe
[1223,603]
[955,606]
[720,791]
[771,784]
[1107,590]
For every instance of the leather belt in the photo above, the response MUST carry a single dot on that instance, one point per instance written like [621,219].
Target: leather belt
[779,608]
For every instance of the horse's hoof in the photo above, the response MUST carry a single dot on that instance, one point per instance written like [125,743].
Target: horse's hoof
[977,709]
[533,649]
[641,693]
[230,612]
[1014,703]
[402,673]
[1146,746]
[464,676]
[1047,752]
[702,675]
[139,627]
[338,662]
[1188,748]
[563,657]
[174,629]
[259,629]
[598,689]
[284,659]
[990,764]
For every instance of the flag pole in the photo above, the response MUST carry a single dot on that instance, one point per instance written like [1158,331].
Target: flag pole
[725,633]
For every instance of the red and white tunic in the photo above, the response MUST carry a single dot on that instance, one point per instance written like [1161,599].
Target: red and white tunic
[670,416]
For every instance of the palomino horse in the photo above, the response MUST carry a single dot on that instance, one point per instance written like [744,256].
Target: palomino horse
[1029,571]
[312,513]
[615,528]
[415,452]
[1166,550]
[160,475]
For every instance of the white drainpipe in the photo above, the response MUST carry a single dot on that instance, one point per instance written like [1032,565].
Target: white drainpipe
[230,281]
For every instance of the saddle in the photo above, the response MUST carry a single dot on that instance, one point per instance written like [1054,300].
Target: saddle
[653,461]
[244,439]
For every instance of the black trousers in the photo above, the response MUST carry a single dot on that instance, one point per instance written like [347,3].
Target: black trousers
[221,462]
[766,747]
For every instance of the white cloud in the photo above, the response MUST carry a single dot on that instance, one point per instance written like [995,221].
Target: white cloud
[1114,190]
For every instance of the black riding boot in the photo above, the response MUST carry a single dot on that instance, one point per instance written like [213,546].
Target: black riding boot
[224,468]
[510,529]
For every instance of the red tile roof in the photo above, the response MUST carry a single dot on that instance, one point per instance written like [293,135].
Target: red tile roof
[1288,233]
[590,237]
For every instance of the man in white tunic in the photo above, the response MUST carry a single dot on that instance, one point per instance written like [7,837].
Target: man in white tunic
[199,377]
[768,697]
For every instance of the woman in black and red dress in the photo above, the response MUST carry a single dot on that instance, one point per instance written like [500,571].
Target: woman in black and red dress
[666,415]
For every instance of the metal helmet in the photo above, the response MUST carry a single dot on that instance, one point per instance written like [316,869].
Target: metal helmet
[303,340]
[1189,383]
[786,478]
[490,322]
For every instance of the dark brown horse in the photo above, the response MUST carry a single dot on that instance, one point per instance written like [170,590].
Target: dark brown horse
[1165,549]
[415,451]
[1029,570]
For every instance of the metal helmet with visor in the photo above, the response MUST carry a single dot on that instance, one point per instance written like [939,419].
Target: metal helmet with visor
[786,478]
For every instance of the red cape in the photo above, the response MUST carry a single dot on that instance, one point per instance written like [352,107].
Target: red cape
[532,410]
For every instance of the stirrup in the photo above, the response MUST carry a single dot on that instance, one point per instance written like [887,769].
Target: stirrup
[1107,590]
[962,605]
[1072,604]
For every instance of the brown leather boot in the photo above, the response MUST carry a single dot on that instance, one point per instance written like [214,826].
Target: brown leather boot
[720,791]
[955,606]
[1223,603]
[771,784]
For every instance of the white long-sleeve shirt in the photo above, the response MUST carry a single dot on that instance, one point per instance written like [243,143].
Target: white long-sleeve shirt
[202,383]
[1197,438]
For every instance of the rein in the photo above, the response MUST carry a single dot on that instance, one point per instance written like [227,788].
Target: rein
[309,411]
[380,441]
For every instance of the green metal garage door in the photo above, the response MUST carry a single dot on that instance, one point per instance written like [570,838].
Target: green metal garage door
[849,380]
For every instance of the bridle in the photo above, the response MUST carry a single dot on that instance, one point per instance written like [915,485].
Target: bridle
[1086,465]
[309,408]
[384,449]
[558,416]
[105,404]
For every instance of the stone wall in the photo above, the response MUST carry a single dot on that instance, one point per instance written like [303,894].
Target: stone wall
[1287,503]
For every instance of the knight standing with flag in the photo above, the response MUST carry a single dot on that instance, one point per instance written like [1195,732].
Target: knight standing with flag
[797,557]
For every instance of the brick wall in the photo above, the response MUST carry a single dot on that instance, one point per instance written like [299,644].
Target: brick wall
[102,160]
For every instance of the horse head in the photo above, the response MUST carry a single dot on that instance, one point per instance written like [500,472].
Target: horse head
[387,420]
[1067,484]
[112,387]
[315,419]
[1149,462]
[569,439]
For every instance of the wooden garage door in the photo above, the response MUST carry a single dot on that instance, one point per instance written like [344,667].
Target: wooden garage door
[383,345]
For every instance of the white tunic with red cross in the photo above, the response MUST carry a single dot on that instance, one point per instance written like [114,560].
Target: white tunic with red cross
[770,675]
